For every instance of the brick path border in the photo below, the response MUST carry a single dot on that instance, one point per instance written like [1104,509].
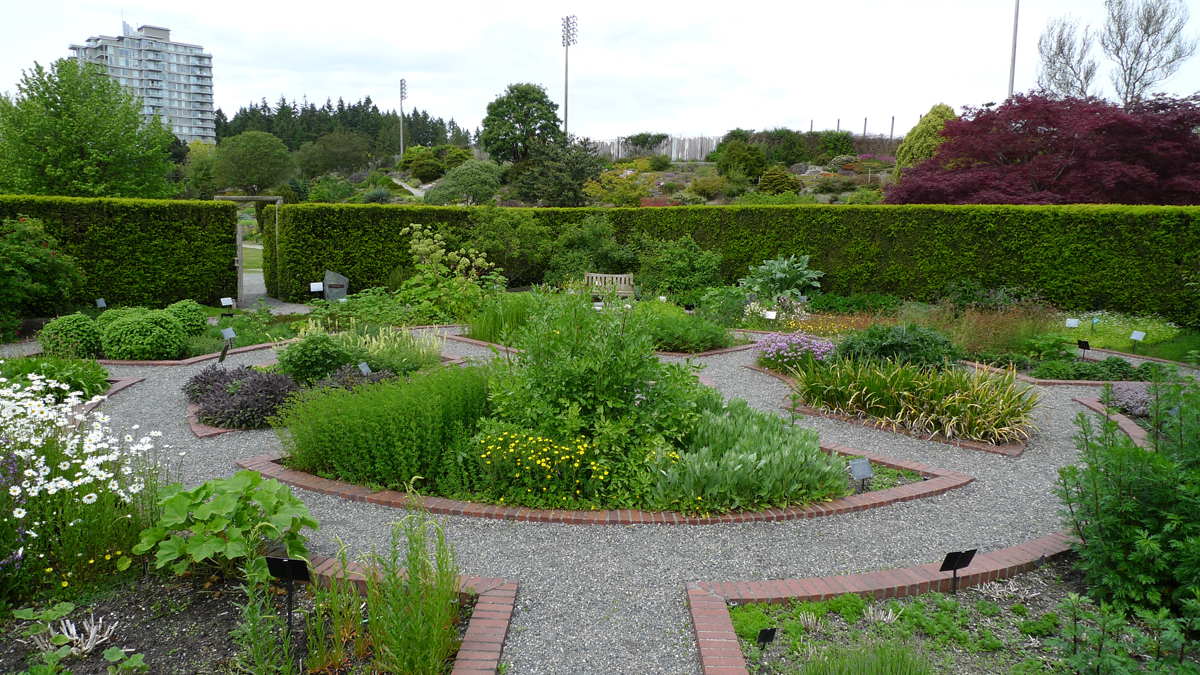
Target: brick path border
[938,482]
[708,601]
[487,629]
[115,385]
[1132,430]
[1007,449]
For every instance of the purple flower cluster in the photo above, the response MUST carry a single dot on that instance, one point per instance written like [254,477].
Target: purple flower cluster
[784,352]
[1131,398]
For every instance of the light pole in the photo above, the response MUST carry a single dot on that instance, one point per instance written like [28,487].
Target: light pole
[403,95]
[1012,70]
[570,32]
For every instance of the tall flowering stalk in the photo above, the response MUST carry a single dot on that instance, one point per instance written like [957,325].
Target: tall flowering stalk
[73,495]
[785,352]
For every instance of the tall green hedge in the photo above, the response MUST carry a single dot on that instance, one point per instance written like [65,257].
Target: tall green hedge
[142,251]
[1127,258]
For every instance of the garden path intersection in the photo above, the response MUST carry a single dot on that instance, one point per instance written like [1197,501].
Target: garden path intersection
[612,599]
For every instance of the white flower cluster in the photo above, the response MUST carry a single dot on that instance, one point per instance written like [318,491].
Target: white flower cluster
[59,452]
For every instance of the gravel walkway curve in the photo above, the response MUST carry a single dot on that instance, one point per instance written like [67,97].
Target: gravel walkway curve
[611,599]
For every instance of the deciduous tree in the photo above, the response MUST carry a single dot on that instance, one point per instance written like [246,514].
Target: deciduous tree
[518,118]
[252,161]
[74,131]
[1038,149]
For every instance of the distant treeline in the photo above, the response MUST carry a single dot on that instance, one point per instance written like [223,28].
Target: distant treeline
[297,124]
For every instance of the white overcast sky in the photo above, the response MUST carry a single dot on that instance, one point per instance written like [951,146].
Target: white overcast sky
[686,68]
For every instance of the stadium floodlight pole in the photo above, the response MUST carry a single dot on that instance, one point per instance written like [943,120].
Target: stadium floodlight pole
[570,31]
[403,95]
[1012,70]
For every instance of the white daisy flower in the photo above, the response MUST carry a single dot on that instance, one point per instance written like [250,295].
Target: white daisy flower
[14,491]
[89,498]
[18,513]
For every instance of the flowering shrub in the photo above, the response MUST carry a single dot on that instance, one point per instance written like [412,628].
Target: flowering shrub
[1130,398]
[784,352]
[73,494]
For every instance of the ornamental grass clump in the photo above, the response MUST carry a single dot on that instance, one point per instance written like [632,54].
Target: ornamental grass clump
[785,352]
[73,493]
[952,403]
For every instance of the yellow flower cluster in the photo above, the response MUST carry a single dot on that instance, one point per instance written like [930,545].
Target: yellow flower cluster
[536,463]
[836,325]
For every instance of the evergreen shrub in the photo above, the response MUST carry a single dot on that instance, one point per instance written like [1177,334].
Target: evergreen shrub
[141,251]
[72,336]
[154,335]
[1124,258]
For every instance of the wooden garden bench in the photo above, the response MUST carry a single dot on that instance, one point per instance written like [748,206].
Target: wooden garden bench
[621,284]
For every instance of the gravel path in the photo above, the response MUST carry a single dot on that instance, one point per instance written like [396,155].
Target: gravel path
[256,289]
[611,599]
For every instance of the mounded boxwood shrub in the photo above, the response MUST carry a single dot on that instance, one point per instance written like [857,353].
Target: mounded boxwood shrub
[72,336]
[154,335]
[1124,258]
[190,315]
[110,316]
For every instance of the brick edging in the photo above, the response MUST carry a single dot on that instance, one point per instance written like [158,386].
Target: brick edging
[721,654]
[513,350]
[1043,383]
[1007,449]
[938,482]
[1129,427]
[486,630]
[116,385]
[195,359]
[1139,356]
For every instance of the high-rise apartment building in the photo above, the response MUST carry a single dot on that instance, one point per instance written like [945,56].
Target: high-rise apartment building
[172,79]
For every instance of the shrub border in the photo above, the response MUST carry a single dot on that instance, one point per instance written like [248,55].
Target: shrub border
[1007,449]
[487,628]
[1131,429]
[938,482]
[708,601]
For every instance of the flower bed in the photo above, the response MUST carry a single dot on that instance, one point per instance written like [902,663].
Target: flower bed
[934,482]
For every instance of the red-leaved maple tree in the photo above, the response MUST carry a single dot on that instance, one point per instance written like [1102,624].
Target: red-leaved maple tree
[1035,149]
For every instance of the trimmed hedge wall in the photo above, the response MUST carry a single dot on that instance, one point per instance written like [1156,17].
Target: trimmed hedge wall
[142,251]
[1126,258]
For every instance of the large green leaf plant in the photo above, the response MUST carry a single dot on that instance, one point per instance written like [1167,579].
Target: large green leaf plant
[224,521]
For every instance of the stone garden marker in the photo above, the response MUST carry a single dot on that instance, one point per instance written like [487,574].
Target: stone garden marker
[336,286]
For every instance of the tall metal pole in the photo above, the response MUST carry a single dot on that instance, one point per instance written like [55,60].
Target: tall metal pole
[403,95]
[1012,70]
[570,30]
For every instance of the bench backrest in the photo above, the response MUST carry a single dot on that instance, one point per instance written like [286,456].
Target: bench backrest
[621,284]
